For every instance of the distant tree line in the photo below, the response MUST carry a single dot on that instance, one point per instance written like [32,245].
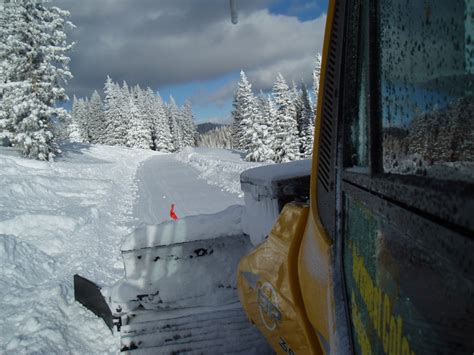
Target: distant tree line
[219,137]
[276,127]
[135,118]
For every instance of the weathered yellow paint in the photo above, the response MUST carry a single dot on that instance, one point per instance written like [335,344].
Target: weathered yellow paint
[269,288]
[315,261]
[387,326]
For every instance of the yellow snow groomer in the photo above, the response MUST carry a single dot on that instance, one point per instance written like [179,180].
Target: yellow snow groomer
[380,258]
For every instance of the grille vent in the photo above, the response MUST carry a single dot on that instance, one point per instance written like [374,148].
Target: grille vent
[329,111]
[329,116]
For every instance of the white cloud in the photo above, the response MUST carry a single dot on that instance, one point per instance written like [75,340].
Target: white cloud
[162,42]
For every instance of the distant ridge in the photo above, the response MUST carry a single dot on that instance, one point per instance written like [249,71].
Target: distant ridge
[208,126]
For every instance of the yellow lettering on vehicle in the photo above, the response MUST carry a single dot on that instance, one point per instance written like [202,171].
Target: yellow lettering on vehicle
[359,328]
[387,326]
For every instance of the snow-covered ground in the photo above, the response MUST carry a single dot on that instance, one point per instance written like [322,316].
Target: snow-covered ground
[163,180]
[218,166]
[57,219]
[71,216]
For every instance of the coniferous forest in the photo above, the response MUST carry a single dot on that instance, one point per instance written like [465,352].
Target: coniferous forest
[277,127]
[132,117]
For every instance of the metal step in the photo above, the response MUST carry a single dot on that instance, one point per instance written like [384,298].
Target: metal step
[209,330]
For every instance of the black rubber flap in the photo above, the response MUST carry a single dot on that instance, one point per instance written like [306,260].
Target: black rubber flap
[88,294]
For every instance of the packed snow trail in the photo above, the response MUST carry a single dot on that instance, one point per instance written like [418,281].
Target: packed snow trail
[164,261]
[163,181]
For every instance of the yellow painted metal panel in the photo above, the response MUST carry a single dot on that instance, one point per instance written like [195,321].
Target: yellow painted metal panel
[315,259]
[269,287]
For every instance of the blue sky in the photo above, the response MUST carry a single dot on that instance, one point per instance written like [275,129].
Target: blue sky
[304,10]
[207,111]
[190,49]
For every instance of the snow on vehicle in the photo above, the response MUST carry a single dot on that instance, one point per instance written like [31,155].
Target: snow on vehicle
[380,258]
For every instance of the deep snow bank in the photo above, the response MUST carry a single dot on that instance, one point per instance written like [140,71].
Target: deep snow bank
[219,167]
[57,219]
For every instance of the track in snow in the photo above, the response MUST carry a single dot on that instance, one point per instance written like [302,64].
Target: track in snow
[163,180]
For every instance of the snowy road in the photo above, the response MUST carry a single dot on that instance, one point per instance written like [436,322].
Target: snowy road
[163,180]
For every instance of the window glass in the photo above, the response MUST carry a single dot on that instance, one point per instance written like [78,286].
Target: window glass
[358,145]
[427,68]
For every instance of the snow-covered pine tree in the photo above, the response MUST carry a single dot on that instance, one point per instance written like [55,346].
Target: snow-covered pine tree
[188,127]
[124,118]
[173,117]
[268,114]
[139,136]
[245,110]
[257,135]
[161,126]
[242,96]
[97,123]
[33,53]
[147,108]
[316,77]
[83,116]
[307,123]
[298,104]
[74,130]
[113,133]
[286,144]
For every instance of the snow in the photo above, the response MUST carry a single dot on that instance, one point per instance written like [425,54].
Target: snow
[58,219]
[262,189]
[163,181]
[218,167]
[193,228]
[72,215]
[267,177]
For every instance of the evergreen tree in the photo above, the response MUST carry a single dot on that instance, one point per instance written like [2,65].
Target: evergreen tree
[97,123]
[124,117]
[242,98]
[298,104]
[147,107]
[188,128]
[34,65]
[286,144]
[258,135]
[245,109]
[113,115]
[316,77]
[74,130]
[173,117]
[139,133]
[307,123]
[83,117]
[161,127]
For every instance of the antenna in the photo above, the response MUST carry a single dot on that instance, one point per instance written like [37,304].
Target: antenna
[233,12]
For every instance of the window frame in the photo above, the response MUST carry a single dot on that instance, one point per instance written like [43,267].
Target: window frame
[445,202]
[417,204]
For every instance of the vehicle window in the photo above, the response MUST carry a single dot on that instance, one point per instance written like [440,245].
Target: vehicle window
[357,145]
[427,69]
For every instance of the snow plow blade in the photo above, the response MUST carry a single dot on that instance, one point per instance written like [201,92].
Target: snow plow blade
[88,294]
[179,293]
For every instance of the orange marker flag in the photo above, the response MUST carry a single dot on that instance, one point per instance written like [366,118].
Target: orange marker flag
[172,213]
